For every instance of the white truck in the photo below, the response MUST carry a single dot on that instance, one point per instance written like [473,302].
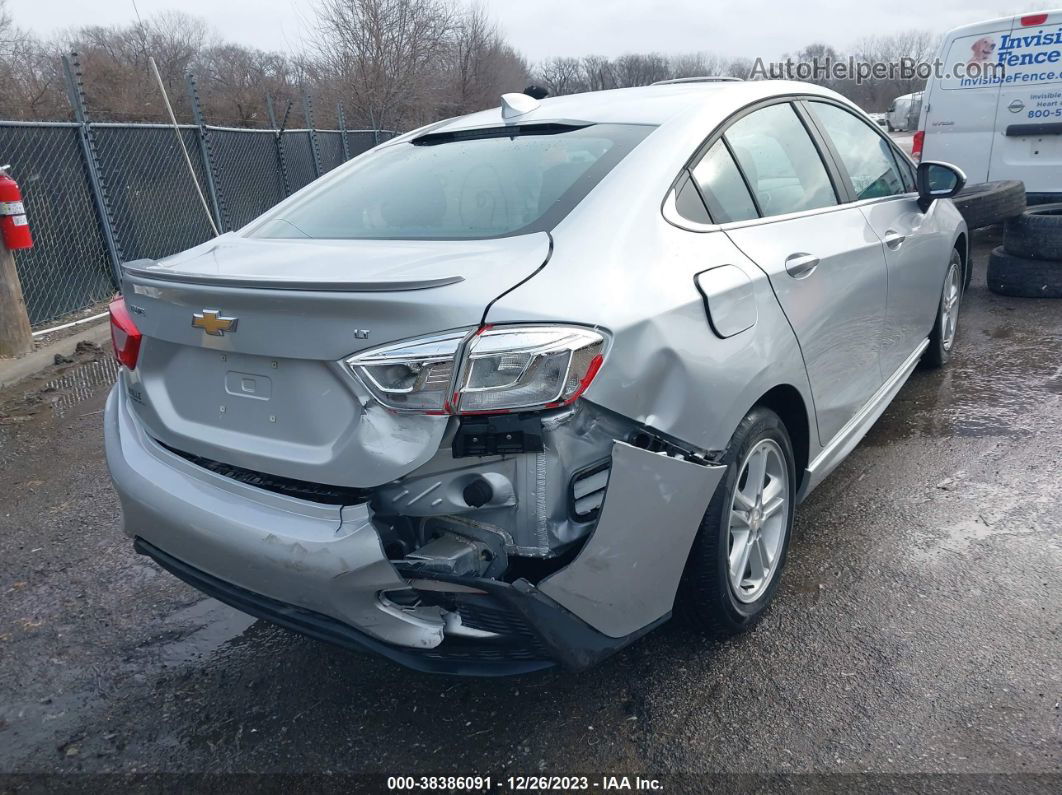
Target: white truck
[995,107]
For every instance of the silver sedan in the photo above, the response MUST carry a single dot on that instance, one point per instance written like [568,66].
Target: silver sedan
[505,392]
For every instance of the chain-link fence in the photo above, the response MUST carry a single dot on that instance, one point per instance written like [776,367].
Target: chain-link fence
[98,194]
[68,267]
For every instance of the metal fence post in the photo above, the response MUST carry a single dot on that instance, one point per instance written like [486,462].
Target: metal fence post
[343,130]
[278,132]
[76,92]
[307,110]
[216,203]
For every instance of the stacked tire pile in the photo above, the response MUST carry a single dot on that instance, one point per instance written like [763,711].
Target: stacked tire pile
[1029,263]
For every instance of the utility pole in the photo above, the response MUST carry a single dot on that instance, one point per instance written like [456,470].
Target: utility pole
[16,336]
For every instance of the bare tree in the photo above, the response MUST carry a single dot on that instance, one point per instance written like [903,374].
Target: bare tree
[116,57]
[479,64]
[7,24]
[393,64]
[739,67]
[599,73]
[912,46]
[235,82]
[561,76]
[697,64]
[641,70]
[29,74]
[384,52]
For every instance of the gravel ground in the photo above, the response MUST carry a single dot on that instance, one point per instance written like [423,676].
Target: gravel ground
[917,629]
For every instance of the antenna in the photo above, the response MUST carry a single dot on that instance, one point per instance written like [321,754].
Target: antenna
[517,105]
[184,149]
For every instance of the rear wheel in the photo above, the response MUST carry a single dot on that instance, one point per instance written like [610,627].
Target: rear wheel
[740,549]
[942,337]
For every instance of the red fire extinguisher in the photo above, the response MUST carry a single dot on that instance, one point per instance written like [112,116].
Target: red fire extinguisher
[13,223]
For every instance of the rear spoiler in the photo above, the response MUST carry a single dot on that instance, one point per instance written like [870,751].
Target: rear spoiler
[149,269]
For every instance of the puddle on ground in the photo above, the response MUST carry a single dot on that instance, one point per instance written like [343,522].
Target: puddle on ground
[981,513]
[79,384]
[73,381]
[196,631]
[988,390]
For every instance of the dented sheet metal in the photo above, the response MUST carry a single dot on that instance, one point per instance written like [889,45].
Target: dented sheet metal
[320,558]
[627,574]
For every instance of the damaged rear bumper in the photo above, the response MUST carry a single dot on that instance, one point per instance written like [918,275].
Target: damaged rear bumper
[530,631]
[322,570]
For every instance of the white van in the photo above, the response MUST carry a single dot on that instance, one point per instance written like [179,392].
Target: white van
[995,108]
[903,112]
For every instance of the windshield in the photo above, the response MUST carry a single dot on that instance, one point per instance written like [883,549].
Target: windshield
[449,187]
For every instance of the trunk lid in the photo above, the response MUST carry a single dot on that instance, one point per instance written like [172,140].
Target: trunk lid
[270,393]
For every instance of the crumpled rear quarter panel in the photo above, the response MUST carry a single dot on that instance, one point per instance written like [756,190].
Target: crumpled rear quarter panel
[627,574]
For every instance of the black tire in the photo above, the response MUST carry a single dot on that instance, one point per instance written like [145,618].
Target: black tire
[940,349]
[706,597]
[1036,233]
[1023,277]
[989,203]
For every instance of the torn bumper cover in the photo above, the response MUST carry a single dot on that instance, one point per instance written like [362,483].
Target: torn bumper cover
[535,633]
[322,570]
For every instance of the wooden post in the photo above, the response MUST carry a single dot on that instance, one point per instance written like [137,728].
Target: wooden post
[16,337]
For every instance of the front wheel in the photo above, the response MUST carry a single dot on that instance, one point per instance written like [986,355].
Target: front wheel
[942,337]
[740,550]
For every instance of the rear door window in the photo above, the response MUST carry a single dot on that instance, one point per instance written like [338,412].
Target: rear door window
[688,202]
[865,154]
[780,161]
[723,187]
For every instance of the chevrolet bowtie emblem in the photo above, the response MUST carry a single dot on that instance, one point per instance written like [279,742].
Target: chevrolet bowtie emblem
[211,321]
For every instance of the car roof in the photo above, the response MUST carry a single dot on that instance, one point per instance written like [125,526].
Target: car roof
[992,25]
[656,105]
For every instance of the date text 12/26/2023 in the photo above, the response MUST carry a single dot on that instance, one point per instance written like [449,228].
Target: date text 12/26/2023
[535,783]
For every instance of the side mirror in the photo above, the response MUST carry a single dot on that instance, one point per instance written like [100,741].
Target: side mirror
[937,181]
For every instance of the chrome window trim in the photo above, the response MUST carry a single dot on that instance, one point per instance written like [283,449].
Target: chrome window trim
[669,209]
[882,199]
[667,205]
[671,215]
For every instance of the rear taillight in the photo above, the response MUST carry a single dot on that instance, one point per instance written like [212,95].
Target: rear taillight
[124,334]
[916,144]
[489,370]
[1033,19]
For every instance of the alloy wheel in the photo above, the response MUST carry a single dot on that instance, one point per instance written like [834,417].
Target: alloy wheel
[949,306]
[759,513]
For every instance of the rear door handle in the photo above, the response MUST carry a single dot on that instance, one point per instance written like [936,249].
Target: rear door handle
[894,239]
[801,265]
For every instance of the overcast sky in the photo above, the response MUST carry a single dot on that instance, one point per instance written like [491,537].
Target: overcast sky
[543,28]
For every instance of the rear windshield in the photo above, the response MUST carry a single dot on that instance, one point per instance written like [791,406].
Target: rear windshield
[447,187]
